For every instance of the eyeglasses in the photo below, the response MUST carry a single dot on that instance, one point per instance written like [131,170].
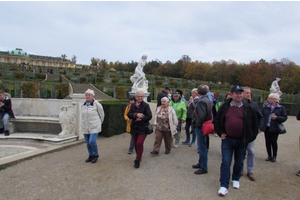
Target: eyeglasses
[139,96]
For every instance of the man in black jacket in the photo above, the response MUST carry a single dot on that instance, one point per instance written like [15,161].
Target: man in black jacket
[237,125]
[164,93]
[5,113]
[202,113]
[250,148]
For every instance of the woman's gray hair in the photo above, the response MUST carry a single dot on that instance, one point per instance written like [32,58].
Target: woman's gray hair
[166,99]
[89,91]
[275,96]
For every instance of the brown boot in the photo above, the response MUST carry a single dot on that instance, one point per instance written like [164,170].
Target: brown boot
[251,176]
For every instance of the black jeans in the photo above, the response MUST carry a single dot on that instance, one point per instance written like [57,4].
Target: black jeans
[271,142]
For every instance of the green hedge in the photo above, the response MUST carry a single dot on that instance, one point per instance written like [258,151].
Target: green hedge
[114,122]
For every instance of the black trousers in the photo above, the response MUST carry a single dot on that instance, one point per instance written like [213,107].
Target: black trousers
[271,142]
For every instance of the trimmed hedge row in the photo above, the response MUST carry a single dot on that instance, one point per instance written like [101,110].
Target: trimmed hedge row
[114,122]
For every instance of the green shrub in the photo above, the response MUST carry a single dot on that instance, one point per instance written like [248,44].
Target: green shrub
[82,79]
[13,69]
[76,73]
[89,74]
[114,80]
[109,92]
[20,75]
[158,82]
[30,89]
[40,76]
[99,80]
[68,77]
[120,92]
[61,90]
[114,123]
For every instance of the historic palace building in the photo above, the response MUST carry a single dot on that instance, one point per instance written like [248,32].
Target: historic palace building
[19,56]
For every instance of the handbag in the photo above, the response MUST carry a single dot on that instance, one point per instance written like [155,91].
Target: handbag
[281,129]
[149,128]
[208,126]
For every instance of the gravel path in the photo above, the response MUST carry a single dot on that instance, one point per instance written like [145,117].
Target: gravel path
[65,175]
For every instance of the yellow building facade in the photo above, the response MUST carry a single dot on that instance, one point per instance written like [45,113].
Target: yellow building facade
[18,56]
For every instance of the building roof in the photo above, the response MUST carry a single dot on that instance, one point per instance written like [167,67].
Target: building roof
[18,52]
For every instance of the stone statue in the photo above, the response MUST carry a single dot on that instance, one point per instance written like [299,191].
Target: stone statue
[275,87]
[139,78]
[67,120]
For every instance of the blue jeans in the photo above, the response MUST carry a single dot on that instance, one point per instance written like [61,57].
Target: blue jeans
[131,145]
[90,140]
[230,146]
[250,156]
[188,124]
[5,119]
[202,147]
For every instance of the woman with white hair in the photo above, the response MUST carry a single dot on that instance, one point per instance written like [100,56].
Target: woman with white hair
[165,126]
[141,114]
[92,117]
[274,114]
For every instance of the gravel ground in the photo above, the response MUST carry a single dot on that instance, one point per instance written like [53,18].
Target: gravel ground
[65,175]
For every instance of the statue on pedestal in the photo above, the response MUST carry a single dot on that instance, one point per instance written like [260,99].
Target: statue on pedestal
[139,78]
[275,87]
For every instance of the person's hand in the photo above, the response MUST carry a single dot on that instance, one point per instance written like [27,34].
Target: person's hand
[182,121]
[128,119]
[1,104]
[223,136]
[274,116]
[140,115]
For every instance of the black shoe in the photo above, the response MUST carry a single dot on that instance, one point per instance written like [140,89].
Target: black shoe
[89,159]
[154,153]
[95,158]
[136,163]
[268,158]
[167,152]
[200,171]
[1,130]
[196,166]
[274,159]
[6,133]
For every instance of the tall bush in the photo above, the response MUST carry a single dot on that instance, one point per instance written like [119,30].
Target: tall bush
[121,92]
[30,89]
[114,122]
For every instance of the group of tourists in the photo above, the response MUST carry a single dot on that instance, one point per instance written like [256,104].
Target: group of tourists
[237,121]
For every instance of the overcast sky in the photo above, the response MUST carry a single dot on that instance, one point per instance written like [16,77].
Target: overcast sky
[124,31]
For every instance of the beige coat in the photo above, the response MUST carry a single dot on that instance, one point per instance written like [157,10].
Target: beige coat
[92,118]
[172,119]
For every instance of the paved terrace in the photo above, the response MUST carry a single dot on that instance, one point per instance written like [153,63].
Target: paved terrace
[62,173]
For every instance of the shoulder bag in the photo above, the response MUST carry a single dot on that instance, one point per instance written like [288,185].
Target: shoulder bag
[208,126]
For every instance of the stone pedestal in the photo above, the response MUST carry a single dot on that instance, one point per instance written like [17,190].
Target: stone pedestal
[79,99]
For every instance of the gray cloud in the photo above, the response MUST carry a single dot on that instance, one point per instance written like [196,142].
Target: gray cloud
[124,31]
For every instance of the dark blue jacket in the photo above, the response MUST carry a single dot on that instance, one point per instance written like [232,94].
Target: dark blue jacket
[298,115]
[260,116]
[279,111]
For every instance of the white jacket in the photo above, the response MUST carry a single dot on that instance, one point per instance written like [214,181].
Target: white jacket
[172,119]
[92,117]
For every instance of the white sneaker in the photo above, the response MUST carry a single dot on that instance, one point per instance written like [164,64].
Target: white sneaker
[222,191]
[176,145]
[236,184]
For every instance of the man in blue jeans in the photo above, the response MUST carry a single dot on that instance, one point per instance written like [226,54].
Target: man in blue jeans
[250,148]
[201,114]
[237,125]
[5,113]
